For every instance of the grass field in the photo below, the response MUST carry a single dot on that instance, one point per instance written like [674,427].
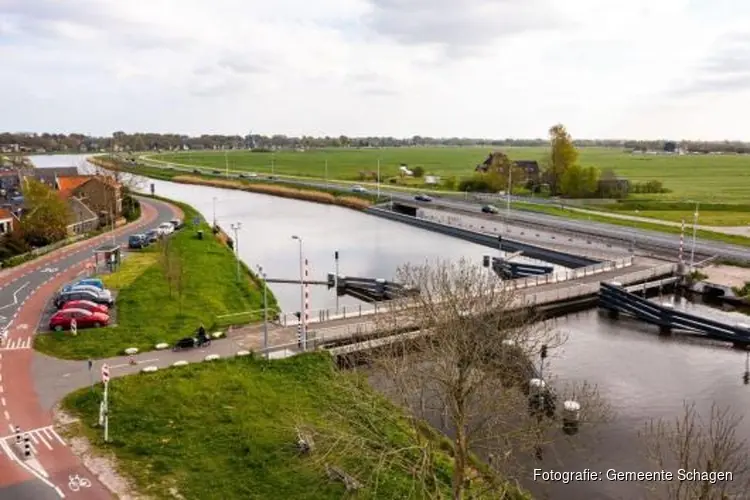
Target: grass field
[148,312]
[226,430]
[717,178]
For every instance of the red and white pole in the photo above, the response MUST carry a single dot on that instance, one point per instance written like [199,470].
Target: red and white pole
[306,312]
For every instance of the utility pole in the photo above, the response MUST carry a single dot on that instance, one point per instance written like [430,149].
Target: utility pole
[226,164]
[326,173]
[507,205]
[236,226]
[378,179]
[695,229]
[303,305]
[265,311]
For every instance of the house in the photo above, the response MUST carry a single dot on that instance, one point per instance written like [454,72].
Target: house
[610,184]
[10,181]
[82,218]
[49,175]
[101,194]
[6,221]
[530,168]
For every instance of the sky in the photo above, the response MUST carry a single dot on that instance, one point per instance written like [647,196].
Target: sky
[636,69]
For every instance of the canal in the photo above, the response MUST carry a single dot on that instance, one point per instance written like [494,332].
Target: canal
[641,375]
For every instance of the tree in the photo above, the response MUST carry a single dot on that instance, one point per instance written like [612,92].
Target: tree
[579,182]
[48,215]
[563,155]
[468,370]
[418,171]
[709,445]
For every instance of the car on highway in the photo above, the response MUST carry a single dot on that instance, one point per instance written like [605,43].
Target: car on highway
[153,235]
[62,319]
[166,228]
[87,305]
[358,189]
[177,223]
[422,197]
[99,298]
[490,209]
[216,172]
[137,241]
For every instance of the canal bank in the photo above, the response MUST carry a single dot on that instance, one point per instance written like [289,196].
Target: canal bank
[642,375]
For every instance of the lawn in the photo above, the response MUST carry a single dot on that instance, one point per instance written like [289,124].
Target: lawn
[717,178]
[227,430]
[164,293]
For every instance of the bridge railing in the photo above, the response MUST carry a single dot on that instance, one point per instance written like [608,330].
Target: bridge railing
[364,309]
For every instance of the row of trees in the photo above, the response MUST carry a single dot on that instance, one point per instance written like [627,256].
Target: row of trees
[142,141]
[469,378]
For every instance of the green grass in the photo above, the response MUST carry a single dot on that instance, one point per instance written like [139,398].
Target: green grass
[717,178]
[149,313]
[655,226]
[226,430]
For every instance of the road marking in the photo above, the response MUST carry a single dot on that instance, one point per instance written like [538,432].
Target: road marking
[15,296]
[2,400]
[12,456]
[49,269]
[18,344]
[7,415]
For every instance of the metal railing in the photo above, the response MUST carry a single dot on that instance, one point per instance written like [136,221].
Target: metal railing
[345,312]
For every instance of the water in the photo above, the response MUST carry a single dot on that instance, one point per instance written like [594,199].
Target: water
[642,375]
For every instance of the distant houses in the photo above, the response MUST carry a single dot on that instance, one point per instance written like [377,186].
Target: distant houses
[530,168]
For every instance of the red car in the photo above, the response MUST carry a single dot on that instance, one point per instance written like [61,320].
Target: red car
[84,319]
[86,305]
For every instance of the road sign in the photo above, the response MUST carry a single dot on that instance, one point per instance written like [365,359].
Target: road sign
[105,373]
[73,326]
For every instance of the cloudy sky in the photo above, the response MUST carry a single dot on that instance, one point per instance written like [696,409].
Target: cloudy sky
[472,68]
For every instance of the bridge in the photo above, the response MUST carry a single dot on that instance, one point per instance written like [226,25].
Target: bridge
[618,299]
[514,270]
[328,326]
[364,289]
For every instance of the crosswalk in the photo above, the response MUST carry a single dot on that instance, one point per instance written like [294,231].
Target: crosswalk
[15,344]
[41,438]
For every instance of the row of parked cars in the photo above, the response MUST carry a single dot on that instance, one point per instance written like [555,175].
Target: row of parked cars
[86,301]
[142,240]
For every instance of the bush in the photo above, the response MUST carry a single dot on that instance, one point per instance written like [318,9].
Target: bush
[450,182]
[649,187]
[131,208]
[418,171]
[482,183]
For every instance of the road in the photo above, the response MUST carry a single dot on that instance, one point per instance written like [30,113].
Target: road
[24,291]
[649,241]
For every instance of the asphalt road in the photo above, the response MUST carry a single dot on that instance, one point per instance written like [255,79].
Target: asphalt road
[23,293]
[645,240]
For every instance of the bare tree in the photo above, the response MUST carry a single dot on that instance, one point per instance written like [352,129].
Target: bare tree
[468,372]
[706,457]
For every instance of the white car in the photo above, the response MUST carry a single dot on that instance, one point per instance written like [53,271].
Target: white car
[359,189]
[166,228]
[88,288]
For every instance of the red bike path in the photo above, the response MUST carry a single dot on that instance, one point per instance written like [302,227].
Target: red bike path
[19,404]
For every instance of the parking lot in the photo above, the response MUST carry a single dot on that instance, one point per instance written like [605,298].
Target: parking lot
[50,310]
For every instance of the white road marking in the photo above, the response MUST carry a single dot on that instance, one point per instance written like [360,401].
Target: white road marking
[12,456]
[2,401]
[16,344]
[6,414]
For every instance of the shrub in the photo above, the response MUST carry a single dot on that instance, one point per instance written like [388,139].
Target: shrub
[418,171]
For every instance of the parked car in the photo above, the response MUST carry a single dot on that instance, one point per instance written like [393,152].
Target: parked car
[177,223]
[166,228]
[490,209]
[359,189]
[92,282]
[61,320]
[103,292]
[153,235]
[136,241]
[422,197]
[86,305]
[99,298]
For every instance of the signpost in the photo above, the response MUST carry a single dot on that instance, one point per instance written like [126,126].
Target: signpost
[104,408]
[153,189]
[91,374]
[73,327]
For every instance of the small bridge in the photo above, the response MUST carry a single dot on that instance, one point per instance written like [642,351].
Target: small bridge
[617,299]
[364,289]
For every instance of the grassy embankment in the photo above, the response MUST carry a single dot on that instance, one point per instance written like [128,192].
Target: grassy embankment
[317,195]
[163,293]
[226,430]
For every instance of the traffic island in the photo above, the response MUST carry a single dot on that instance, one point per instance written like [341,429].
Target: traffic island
[164,293]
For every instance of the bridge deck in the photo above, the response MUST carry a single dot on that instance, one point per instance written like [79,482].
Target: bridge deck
[251,337]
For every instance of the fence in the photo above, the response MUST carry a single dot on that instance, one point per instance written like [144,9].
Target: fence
[344,312]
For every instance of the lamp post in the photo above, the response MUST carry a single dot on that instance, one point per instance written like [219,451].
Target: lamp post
[236,226]
[303,323]
[214,205]
[378,179]
[507,204]
[326,173]
[265,311]
[695,229]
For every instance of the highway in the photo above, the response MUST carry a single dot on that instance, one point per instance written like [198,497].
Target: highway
[648,241]
[51,471]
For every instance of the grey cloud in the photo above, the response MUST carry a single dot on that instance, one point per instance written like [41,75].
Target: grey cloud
[727,69]
[461,27]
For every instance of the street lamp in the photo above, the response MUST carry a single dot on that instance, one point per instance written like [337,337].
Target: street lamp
[695,229]
[303,323]
[378,179]
[236,226]
[265,311]
[214,211]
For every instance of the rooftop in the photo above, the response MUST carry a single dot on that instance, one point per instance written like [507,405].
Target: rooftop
[5,214]
[68,184]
